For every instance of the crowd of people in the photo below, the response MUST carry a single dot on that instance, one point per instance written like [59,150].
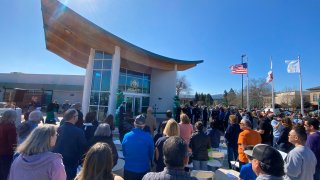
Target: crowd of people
[267,146]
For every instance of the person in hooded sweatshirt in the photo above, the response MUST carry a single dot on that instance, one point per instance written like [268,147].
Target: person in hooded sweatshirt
[35,160]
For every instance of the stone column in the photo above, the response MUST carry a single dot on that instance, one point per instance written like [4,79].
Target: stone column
[114,81]
[87,84]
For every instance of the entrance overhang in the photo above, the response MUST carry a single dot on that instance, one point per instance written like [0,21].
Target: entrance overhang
[71,37]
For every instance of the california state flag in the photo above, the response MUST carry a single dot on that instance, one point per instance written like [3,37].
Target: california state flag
[270,74]
[270,77]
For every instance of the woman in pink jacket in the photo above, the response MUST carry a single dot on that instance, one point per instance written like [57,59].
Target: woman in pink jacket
[35,160]
[186,128]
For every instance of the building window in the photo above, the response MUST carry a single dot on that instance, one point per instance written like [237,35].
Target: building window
[100,88]
[315,97]
[134,82]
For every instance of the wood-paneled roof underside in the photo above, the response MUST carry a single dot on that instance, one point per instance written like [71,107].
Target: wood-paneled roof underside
[71,36]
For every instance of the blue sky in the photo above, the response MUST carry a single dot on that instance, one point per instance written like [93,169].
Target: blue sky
[218,32]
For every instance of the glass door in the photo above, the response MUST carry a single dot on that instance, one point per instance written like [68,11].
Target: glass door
[133,106]
[137,106]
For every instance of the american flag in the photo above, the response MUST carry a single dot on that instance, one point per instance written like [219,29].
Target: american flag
[239,68]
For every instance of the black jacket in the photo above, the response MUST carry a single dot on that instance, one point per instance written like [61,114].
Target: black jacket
[71,144]
[232,135]
[199,143]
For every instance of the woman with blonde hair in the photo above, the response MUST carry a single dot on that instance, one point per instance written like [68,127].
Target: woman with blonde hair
[36,161]
[186,128]
[98,164]
[171,129]
[8,139]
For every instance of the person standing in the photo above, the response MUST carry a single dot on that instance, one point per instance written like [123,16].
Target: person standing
[25,128]
[186,128]
[205,117]
[36,161]
[199,144]
[122,114]
[77,107]
[8,139]
[176,155]
[151,123]
[277,129]
[171,129]
[90,124]
[138,148]
[214,134]
[246,137]
[103,135]
[300,162]
[98,164]
[265,130]
[231,135]
[267,162]
[313,141]
[71,143]
[65,106]
[246,172]
[283,143]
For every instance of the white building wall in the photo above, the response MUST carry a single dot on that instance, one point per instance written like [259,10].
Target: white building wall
[162,90]
[1,93]
[42,78]
[72,96]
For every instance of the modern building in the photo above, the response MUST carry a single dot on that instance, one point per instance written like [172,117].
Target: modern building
[291,97]
[111,63]
[314,96]
[44,87]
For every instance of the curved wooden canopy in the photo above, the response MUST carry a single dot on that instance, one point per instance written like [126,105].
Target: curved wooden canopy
[71,36]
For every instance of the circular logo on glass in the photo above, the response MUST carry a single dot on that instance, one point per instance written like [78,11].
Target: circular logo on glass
[134,85]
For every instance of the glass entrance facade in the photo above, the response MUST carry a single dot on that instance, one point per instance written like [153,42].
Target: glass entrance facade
[100,87]
[134,85]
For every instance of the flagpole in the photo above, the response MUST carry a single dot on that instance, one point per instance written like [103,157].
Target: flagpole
[301,95]
[272,86]
[248,105]
[242,56]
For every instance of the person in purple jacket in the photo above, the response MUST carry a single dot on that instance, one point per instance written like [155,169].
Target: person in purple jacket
[35,160]
[313,141]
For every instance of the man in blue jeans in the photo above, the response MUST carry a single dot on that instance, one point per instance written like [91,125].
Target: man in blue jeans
[138,150]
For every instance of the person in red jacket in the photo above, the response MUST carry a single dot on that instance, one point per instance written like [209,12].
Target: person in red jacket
[8,141]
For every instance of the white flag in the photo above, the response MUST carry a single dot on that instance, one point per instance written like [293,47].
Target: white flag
[293,66]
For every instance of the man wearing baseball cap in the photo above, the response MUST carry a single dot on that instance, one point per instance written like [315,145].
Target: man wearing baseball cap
[138,148]
[267,162]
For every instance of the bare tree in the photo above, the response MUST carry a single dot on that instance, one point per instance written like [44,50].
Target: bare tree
[257,90]
[182,85]
[232,97]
